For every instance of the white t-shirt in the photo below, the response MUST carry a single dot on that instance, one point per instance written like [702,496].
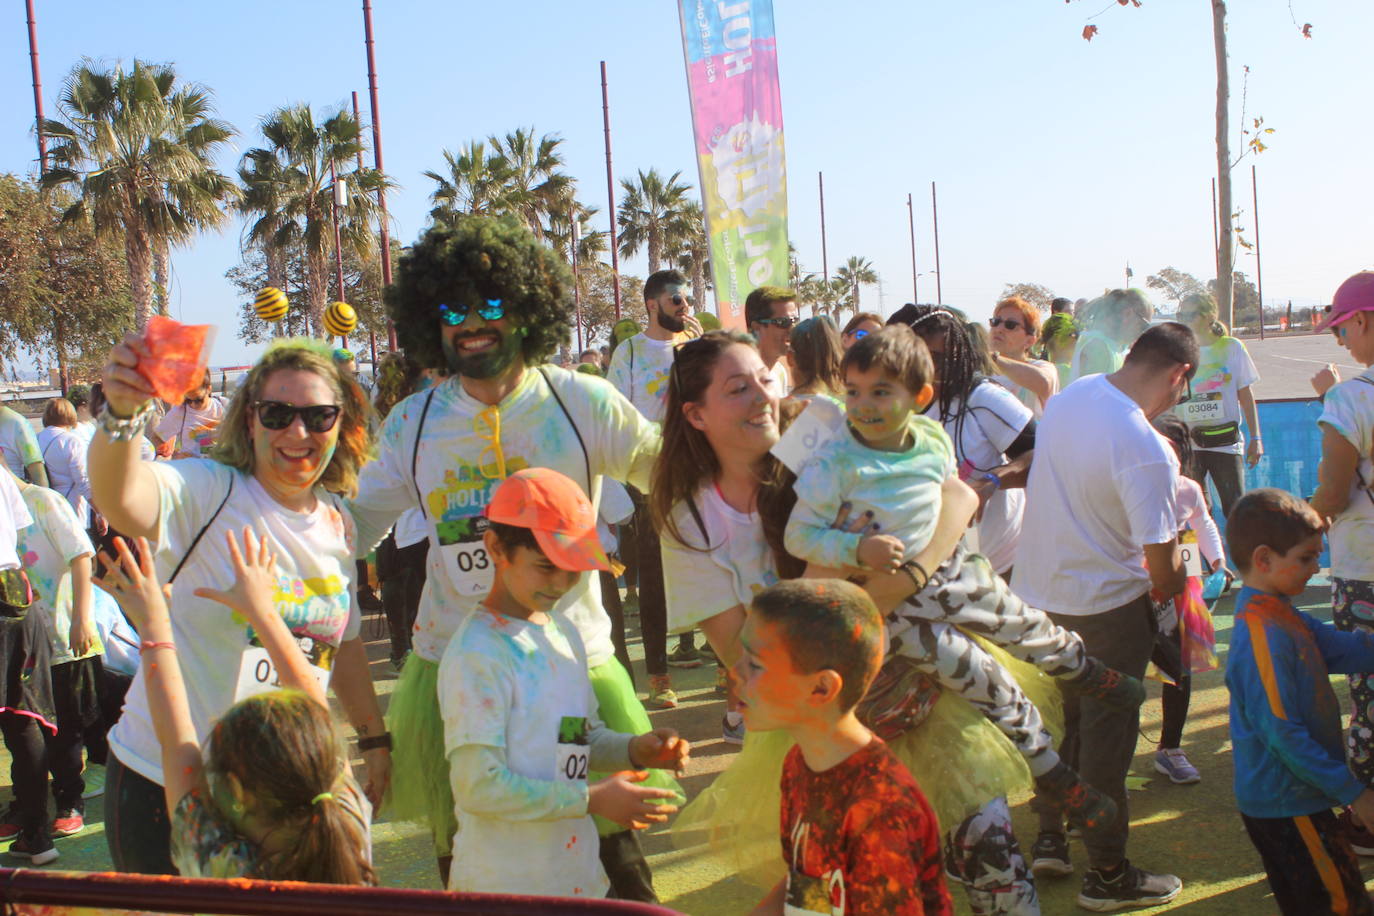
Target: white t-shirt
[1192,513]
[18,442]
[1101,488]
[47,548]
[64,455]
[639,370]
[994,420]
[192,429]
[699,584]
[459,465]
[901,489]
[1025,395]
[14,517]
[220,658]
[411,528]
[523,688]
[1349,409]
[1225,369]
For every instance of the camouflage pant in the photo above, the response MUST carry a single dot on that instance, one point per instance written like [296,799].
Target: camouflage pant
[1353,608]
[982,855]
[966,596]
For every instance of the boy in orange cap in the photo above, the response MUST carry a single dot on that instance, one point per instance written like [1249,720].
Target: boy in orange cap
[520,726]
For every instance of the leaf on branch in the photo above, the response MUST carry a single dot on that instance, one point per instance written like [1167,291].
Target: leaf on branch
[1257,145]
[1307,30]
[1240,240]
[1088,32]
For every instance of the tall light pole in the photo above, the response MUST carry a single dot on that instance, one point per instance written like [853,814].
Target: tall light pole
[610,191]
[911,225]
[377,160]
[577,288]
[935,217]
[37,91]
[339,190]
[825,264]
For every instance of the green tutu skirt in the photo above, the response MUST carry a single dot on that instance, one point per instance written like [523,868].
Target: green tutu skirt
[621,711]
[959,759]
[420,788]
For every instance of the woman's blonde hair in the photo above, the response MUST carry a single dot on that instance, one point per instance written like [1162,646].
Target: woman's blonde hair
[283,750]
[235,447]
[1206,308]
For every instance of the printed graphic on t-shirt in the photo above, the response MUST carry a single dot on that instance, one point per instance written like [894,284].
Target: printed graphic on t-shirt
[456,507]
[316,612]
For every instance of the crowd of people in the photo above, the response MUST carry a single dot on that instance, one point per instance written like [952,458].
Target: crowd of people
[933,563]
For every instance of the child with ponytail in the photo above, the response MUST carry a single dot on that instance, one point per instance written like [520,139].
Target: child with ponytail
[272,796]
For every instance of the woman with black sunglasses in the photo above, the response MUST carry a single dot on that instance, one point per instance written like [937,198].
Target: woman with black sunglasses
[1015,325]
[292,442]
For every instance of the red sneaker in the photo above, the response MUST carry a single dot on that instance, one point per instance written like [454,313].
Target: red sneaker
[68,823]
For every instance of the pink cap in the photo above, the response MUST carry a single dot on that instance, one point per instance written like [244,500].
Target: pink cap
[1356,294]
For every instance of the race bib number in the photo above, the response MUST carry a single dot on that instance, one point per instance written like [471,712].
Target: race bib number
[821,420]
[574,750]
[1205,409]
[1192,556]
[465,553]
[257,673]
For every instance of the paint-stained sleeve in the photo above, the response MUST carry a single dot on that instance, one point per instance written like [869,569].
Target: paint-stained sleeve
[483,784]
[1345,653]
[386,487]
[1272,705]
[618,372]
[626,443]
[821,488]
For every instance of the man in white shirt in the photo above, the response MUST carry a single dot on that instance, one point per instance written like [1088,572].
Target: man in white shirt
[770,312]
[1100,512]
[639,369]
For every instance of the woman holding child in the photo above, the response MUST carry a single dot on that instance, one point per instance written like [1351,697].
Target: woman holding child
[292,442]
[722,501]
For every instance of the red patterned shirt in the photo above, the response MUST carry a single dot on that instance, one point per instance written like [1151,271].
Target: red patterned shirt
[860,838]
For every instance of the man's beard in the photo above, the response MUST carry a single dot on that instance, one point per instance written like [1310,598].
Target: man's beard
[670,322]
[486,364]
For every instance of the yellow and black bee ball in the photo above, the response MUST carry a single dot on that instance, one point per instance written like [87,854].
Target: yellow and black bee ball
[340,319]
[271,304]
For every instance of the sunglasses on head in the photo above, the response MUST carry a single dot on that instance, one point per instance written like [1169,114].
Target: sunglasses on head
[318,418]
[1011,324]
[787,322]
[454,315]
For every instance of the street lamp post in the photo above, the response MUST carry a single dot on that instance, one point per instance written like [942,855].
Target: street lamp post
[577,289]
[340,192]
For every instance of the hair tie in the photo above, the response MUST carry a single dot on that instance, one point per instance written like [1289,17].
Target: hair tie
[323,796]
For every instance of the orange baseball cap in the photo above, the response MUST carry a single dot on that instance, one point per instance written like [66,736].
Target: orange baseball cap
[557,511]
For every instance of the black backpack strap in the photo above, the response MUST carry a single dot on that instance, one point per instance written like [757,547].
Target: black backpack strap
[201,533]
[415,451]
[586,460]
[701,525]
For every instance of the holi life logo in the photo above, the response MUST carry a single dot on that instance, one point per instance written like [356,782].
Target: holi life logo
[748,162]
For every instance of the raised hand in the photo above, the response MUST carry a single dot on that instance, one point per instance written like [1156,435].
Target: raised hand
[255,578]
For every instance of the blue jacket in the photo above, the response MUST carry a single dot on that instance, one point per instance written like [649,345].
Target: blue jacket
[1285,721]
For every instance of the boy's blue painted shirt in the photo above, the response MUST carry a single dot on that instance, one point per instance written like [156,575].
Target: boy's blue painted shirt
[1285,719]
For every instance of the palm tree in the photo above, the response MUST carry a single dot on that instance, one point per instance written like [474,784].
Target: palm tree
[264,197]
[138,152]
[475,182]
[533,184]
[855,272]
[651,214]
[303,191]
[591,242]
[694,250]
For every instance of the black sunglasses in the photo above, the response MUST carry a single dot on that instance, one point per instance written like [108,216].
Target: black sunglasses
[1011,324]
[680,300]
[1188,394]
[787,322]
[318,418]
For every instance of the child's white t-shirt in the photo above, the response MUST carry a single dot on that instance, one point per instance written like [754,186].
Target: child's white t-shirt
[901,489]
[736,565]
[1348,408]
[221,660]
[523,688]
[47,548]
[193,429]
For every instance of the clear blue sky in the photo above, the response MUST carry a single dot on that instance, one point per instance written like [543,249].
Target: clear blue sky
[1057,159]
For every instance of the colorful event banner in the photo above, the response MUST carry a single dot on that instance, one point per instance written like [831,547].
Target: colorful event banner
[732,79]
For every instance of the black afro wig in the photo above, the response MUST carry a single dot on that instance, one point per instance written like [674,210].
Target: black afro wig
[490,258]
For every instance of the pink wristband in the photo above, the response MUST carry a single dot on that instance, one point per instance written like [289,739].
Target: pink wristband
[146,645]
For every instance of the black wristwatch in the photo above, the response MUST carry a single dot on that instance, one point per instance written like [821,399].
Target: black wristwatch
[374,742]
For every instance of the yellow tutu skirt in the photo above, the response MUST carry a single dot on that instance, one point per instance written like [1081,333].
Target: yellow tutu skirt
[959,758]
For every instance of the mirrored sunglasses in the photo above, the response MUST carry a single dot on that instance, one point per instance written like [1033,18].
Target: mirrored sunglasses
[454,315]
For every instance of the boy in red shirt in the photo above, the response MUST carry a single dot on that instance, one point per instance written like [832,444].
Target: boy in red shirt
[858,836]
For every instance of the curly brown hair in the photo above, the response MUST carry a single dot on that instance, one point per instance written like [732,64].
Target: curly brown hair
[486,257]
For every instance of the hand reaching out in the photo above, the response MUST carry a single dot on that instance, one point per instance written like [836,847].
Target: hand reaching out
[661,749]
[255,578]
[617,798]
[133,584]
[881,552]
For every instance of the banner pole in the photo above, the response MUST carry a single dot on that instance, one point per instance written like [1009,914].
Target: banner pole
[939,277]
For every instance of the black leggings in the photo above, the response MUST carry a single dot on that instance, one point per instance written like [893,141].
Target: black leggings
[29,773]
[137,829]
